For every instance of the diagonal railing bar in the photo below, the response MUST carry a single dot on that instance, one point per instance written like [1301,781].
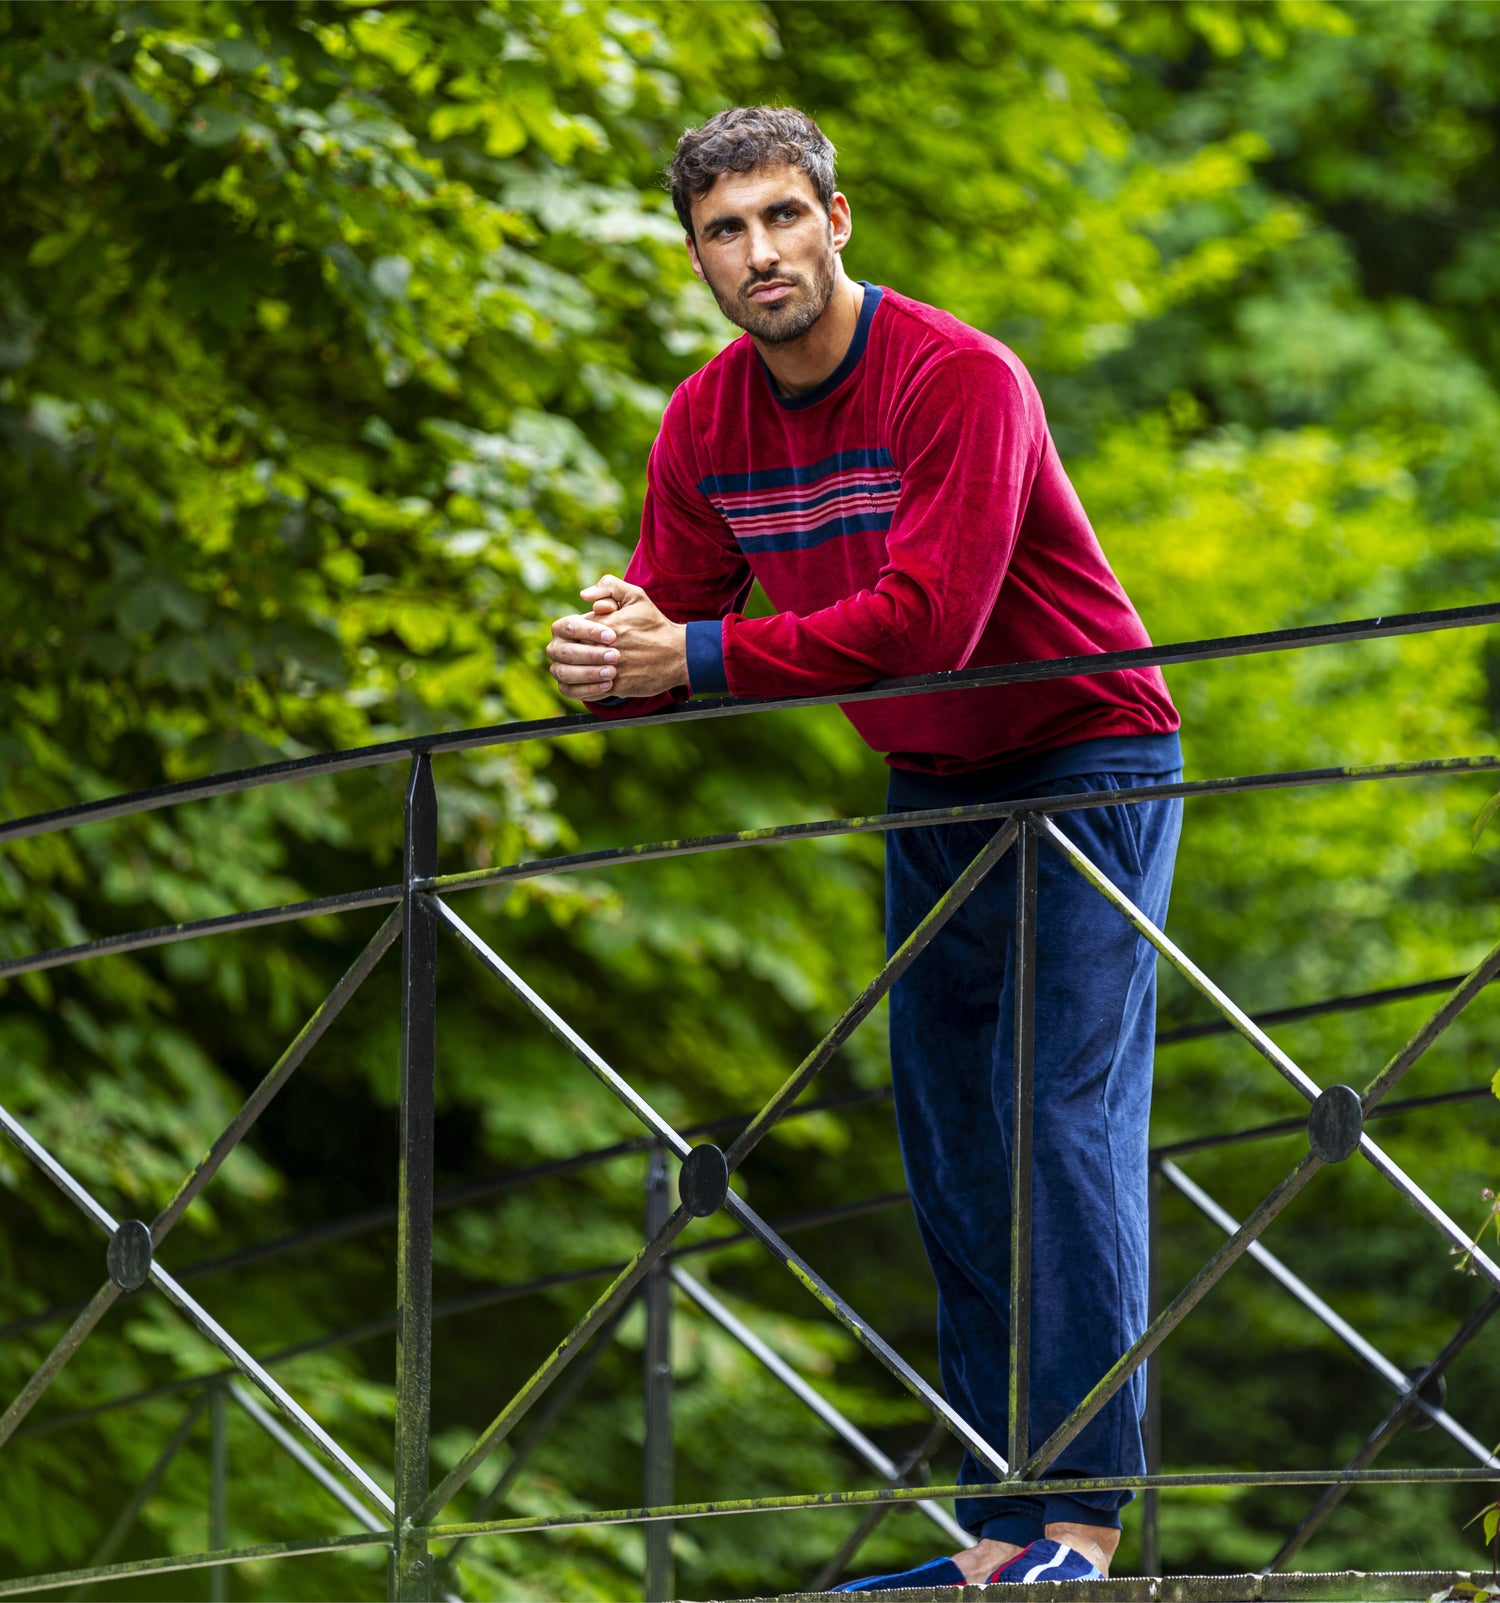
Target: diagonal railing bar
[556,1404]
[260,1098]
[93,1311]
[1233,1013]
[1392,1374]
[1087,666]
[221,924]
[1463,993]
[1386,1431]
[164,1282]
[78,1195]
[871,1521]
[1480,1263]
[115,1536]
[609,1302]
[1478,978]
[289,1444]
[837,1422]
[253,1370]
[865,1003]
[51,1366]
[1172,1315]
[874,1344]
[1233,1249]
[565,1032]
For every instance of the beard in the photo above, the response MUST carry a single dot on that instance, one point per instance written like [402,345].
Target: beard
[789,318]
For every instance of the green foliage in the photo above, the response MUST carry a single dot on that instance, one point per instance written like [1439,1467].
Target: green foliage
[332,340]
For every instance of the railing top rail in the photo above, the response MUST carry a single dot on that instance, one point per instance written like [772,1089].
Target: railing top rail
[373,756]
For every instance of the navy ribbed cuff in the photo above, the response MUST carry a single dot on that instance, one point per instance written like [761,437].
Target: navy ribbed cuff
[705,659]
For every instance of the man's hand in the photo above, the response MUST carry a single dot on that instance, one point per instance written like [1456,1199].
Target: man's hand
[624,646]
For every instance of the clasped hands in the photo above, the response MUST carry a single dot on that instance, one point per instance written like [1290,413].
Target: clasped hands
[623,646]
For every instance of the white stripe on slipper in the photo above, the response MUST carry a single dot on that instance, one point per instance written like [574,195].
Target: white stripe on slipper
[1040,1572]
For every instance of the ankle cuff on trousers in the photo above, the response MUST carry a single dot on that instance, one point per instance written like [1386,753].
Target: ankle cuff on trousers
[1075,1512]
[1021,1529]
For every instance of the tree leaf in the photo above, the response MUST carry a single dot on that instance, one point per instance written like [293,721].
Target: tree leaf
[213,125]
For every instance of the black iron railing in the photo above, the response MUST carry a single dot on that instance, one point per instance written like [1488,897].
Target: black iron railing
[409,1521]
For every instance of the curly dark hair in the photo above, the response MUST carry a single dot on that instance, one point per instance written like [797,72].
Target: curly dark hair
[743,138]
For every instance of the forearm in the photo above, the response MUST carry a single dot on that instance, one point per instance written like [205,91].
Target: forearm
[890,632]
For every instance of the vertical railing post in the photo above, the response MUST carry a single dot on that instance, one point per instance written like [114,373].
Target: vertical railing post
[659,1465]
[413,1567]
[1151,1498]
[218,1491]
[1021,1122]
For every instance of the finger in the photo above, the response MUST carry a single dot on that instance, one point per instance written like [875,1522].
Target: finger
[568,651]
[575,627]
[567,673]
[587,693]
[602,609]
[611,588]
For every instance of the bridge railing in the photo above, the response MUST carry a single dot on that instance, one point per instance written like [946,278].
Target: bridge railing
[410,1520]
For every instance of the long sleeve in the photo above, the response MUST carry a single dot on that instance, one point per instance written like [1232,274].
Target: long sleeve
[686,560]
[967,442]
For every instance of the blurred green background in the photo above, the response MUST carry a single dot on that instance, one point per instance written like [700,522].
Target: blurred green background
[332,340]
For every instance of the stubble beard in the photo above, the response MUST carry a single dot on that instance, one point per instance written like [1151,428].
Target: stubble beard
[788,319]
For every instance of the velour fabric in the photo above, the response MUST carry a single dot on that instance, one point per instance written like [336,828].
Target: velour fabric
[952,1055]
[908,516]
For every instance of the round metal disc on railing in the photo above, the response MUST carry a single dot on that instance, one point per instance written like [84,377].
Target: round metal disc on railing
[1336,1123]
[129,1255]
[704,1181]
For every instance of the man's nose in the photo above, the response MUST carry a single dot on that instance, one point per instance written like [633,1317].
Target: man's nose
[764,254]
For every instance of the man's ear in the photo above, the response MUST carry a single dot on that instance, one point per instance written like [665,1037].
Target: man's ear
[692,250]
[840,223]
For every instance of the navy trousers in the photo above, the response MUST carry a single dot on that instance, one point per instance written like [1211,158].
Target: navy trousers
[952,1053]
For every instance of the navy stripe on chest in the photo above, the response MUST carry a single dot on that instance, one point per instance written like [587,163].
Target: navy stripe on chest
[796,508]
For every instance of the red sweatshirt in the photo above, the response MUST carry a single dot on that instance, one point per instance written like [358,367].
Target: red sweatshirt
[907,515]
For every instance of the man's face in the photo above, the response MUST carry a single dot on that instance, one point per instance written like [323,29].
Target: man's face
[769,252]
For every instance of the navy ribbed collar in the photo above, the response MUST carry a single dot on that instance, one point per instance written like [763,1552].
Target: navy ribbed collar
[819,392]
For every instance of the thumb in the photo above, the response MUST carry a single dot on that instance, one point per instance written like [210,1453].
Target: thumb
[610,588]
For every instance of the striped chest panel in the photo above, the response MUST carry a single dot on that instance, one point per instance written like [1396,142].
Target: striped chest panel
[797,508]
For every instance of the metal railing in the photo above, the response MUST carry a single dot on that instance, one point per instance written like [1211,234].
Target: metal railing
[409,1520]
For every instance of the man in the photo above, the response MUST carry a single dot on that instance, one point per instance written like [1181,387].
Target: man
[887,474]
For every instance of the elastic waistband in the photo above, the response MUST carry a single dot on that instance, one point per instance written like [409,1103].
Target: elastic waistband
[1114,754]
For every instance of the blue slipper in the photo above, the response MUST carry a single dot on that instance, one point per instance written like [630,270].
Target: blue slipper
[935,1572]
[1045,1560]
